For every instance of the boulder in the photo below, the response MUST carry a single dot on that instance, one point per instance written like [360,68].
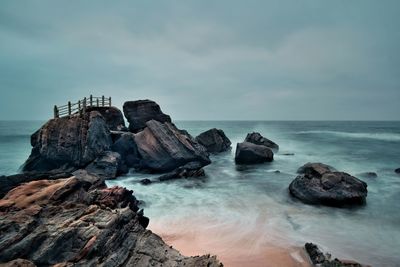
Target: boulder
[369,174]
[141,111]
[258,139]
[112,116]
[249,153]
[162,148]
[106,165]
[320,185]
[62,222]
[192,169]
[397,170]
[316,255]
[65,143]
[127,148]
[214,140]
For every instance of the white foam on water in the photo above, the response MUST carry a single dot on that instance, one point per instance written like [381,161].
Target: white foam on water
[377,136]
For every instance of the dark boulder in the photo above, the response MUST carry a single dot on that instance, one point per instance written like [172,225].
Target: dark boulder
[214,140]
[258,139]
[249,153]
[127,148]
[145,181]
[112,116]
[369,174]
[316,255]
[320,185]
[192,169]
[318,258]
[65,143]
[141,111]
[106,165]
[162,148]
[397,170]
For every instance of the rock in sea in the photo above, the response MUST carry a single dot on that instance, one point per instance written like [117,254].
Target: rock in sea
[141,111]
[249,153]
[319,184]
[318,258]
[258,139]
[112,116]
[214,140]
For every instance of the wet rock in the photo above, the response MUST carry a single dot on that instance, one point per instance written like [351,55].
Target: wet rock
[397,170]
[258,139]
[49,222]
[65,143]
[315,254]
[112,116]
[214,140]
[287,154]
[317,184]
[162,148]
[249,153]
[141,111]
[127,148]
[192,169]
[369,174]
[145,181]
[106,165]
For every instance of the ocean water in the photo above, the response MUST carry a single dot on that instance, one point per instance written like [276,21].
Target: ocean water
[237,211]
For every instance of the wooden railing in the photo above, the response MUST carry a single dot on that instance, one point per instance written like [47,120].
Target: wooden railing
[81,106]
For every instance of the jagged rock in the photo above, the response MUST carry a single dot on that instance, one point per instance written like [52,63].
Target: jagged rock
[112,116]
[318,184]
[162,148]
[192,169]
[141,111]
[106,165]
[258,139]
[315,254]
[127,148]
[63,222]
[65,143]
[249,153]
[214,140]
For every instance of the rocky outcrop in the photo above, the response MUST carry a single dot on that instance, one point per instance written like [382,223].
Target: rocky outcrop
[319,184]
[106,165]
[249,153]
[258,139]
[126,146]
[64,222]
[318,258]
[65,143]
[112,116]
[141,111]
[214,140]
[162,148]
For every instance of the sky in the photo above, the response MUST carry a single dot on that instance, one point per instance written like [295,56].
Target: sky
[204,60]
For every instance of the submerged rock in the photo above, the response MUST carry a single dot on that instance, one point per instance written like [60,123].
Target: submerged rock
[145,181]
[65,143]
[369,174]
[141,111]
[112,116]
[214,140]
[162,148]
[319,184]
[192,169]
[258,139]
[397,170]
[249,153]
[49,222]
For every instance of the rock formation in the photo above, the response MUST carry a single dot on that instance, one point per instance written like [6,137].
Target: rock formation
[106,165]
[214,140]
[70,223]
[258,139]
[112,116]
[320,184]
[397,170]
[126,146]
[249,153]
[68,143]
[318,258]
[162,148]
[141,111]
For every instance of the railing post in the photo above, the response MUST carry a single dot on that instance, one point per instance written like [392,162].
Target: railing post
[69,108]
[97,101]
[84,105]
[91,100]
[102,101]
[109,101]
[55,112]
[79,108]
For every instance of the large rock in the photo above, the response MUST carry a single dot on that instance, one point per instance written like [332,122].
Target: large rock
[126,146]
[106,165]
[320,185]
[64,143]
[141,111]
[258,139]
[112,116]
[49,222]
[162,147]
[214,140]
[249,153]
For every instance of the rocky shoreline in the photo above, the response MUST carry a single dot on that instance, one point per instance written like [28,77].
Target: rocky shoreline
[60,206]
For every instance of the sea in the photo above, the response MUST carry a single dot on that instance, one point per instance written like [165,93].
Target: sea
[237,211]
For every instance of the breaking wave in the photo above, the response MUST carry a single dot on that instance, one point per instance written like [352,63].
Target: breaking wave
[376,136]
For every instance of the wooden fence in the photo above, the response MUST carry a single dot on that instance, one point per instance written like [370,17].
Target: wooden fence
[81,106]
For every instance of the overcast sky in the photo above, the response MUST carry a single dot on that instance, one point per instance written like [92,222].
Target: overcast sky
[201,60]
